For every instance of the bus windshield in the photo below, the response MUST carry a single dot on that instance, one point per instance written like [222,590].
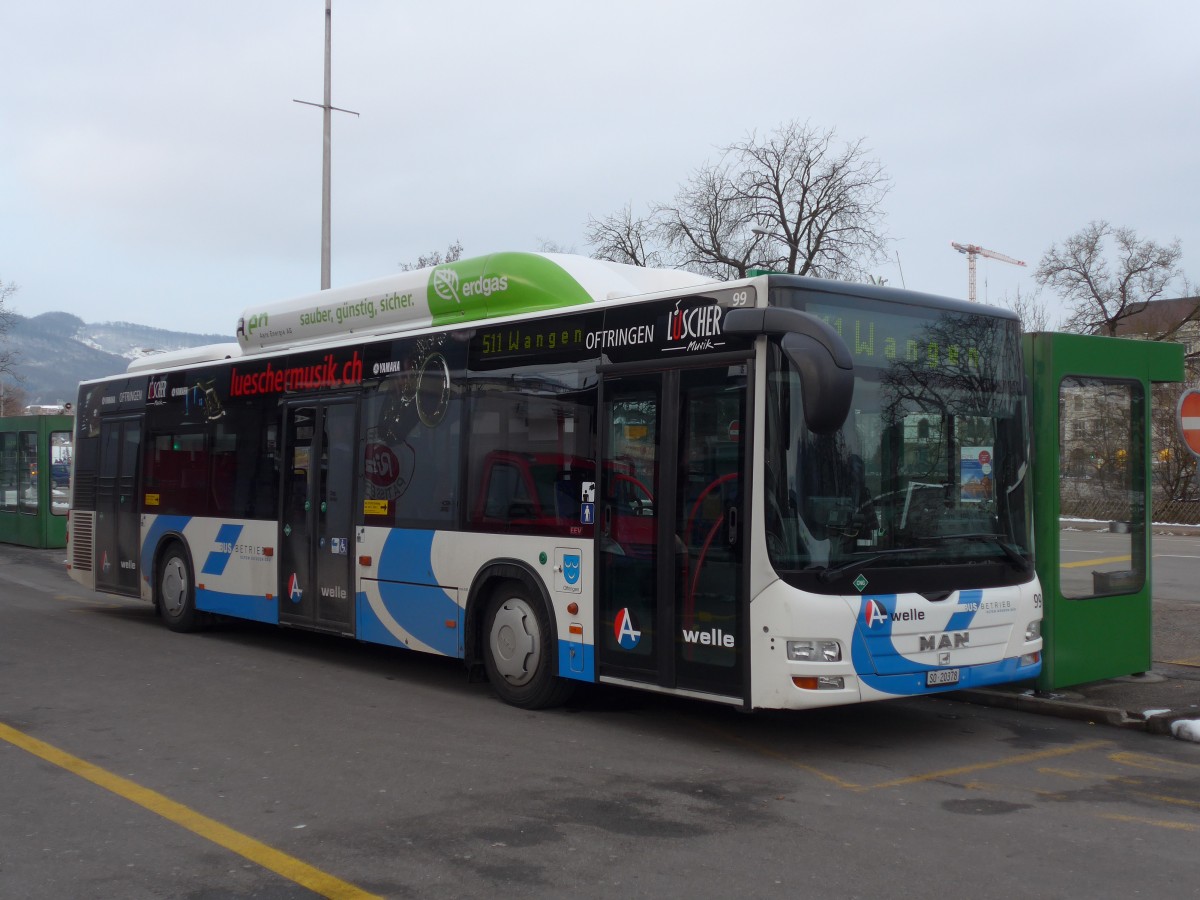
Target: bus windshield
[925,484]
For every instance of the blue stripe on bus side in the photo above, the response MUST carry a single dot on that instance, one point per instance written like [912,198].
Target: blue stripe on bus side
[255,607]
[576,660]
[420,610]
[913,683]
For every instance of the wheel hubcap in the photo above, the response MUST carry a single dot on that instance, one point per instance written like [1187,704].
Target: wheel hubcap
[514,642]
[174,587]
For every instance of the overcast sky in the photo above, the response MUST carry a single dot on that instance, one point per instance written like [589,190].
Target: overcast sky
[154,169]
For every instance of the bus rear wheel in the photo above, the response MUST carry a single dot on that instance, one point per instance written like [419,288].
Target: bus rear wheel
[520,650]
[176,591]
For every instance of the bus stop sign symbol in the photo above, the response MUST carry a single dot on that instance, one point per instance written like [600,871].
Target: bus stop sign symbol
[1188,414]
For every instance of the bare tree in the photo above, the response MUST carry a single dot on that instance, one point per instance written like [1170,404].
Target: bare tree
[1101,286]
[549,245]
[795,201]
[707,228]
[12,399]
[7,289]
[1032,309]
[622,238]
[435,258]
[823,198]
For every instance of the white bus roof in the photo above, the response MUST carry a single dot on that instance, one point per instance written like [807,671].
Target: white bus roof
[471,289]
[185,357]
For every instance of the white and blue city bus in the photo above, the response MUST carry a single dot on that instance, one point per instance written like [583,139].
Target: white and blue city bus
[778,492]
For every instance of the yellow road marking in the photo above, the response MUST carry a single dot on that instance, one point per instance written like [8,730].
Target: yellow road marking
[1087,776]
[1190,661]
[281,863]
[1154,763]
[1094,562]
[781,757]
[1178,801]
[993,764]
[1157,823]
[912,779]
[1069,773]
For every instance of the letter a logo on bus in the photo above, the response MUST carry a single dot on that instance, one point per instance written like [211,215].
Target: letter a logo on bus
[875,613]
[623,628]
[293,589]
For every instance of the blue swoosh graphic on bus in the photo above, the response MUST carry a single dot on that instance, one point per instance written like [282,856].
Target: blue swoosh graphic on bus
[961,621]
[163,525]
[411,599]
[218,559]
[872,649]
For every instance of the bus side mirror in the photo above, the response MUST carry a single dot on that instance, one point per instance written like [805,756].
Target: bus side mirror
[818,353]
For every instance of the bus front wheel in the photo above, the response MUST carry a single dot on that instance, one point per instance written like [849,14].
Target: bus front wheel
[176,591]
[520,650]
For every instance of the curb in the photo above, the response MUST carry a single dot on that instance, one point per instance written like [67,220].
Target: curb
[1160,723]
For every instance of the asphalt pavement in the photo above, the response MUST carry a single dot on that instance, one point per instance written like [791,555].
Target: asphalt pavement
[1165,700]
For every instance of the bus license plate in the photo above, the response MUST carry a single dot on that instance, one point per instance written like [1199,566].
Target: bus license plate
[941,676]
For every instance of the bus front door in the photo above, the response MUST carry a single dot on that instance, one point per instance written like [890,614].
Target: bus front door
[118,521]
[316,521]
[670,531]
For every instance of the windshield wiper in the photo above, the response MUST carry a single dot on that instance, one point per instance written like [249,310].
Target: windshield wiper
[1019,562]
[827,575]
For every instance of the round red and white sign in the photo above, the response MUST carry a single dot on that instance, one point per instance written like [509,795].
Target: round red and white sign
[1188,415]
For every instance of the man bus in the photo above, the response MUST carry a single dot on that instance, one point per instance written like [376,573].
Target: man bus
[777,492]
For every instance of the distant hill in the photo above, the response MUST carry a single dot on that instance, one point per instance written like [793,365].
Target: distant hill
[55,351]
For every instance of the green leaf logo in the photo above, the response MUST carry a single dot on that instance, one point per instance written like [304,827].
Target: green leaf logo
[445,285]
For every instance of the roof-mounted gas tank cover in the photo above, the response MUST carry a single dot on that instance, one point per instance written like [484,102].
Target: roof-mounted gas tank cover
[817,351]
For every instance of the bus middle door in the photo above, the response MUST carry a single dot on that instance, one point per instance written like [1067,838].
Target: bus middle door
[316,566]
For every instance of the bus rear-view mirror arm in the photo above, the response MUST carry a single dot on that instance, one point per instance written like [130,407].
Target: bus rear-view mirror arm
[818,353]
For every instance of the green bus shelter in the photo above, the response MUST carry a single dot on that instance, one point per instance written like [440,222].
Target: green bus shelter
[1091,399]
[35,477]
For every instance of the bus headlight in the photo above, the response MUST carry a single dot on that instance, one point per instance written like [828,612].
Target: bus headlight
[1033,630]
[814,650]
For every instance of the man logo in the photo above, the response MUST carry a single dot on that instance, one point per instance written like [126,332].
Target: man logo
[874,613]
[627,636]
[445,285]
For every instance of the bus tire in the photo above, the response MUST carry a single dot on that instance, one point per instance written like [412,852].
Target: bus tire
[175,590]
[520,650]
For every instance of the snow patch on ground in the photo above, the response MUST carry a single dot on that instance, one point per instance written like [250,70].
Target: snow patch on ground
[1186,729]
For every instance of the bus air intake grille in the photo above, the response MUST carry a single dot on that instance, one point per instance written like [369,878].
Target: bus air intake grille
[83,538]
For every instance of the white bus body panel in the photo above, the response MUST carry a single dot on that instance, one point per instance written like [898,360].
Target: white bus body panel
[890,642]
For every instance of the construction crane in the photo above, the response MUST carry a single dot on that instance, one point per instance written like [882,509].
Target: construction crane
[974,250]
